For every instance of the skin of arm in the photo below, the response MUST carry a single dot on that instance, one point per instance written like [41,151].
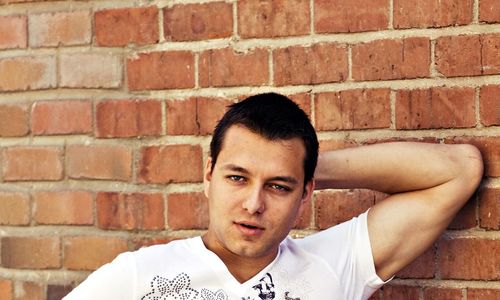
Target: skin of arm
[428,184]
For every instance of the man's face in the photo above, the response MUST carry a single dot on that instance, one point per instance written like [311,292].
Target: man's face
[255,191]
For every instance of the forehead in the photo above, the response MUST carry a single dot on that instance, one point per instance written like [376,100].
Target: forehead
[250,150]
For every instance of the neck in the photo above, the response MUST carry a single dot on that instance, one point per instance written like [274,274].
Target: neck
[241,267]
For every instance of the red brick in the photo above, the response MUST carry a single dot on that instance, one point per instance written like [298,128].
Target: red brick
[489,208]
[119,27]
[31,252]
[130,211]
[14,120]
[391,59]
[6,289]
[14,208]
[128,118]
[490,110]
[303,100]
[464,258]
[192,22]
[350,16]
[320,63]
[422,267]
[334,207]
[32,163]
[430,13]
[172,163]
[57,292]
[466,216]
[329,145]
[490,53]
[89,252]
[401,292]
[435,108]
[65,207]
[209,112]
[187,211]
[99,162]
[273,18]
[490,150]
[90,70]
[353,109]
[61,117]
[29,291]
[161,70]
[489,11]
[483,294]
[458,55]
[28,73]
[225,67]
[442,293]
[60,28]
[13,32]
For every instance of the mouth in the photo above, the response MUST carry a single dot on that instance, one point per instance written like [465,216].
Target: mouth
[249,228]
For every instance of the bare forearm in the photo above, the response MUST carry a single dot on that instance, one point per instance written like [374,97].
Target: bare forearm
[396,167]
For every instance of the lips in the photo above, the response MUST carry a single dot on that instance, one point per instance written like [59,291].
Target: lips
[250,228]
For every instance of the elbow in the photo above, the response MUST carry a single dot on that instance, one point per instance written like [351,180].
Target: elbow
[472,164]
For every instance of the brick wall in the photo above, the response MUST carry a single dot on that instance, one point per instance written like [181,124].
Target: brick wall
[106,111]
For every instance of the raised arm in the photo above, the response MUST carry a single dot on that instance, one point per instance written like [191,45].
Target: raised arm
[428,184]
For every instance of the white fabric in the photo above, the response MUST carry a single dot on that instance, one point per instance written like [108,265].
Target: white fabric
[334,264]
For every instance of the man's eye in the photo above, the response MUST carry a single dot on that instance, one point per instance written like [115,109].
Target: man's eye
[279,187]
[236,178]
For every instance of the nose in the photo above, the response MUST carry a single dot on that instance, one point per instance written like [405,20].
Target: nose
[254,201]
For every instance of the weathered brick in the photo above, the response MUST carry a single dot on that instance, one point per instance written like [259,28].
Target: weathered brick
[334,207]
[353,109]
[130,211]
[59,28]
[273,18]
[57,292]
[172,163]
[430,13]
[187,211]
[489,208]
[29,291]
[194,116]
[161,70]
[483,294]
[119,27]
[463,258]
[14,120]
[61,117]
[31,252]
[489,11]
[391,59]
[226,67]
[14,208]
[422,267]
[490,150]
[32,163]
[435,108]
[442,293]
[320,63]
[303,100]
[27,73]
[6,289]
[350,16]
[90,70]
[13,32]
[458,55]
[490,53]
[489,108]
[63,207]
[466,216]
[89,252]
[192,22]
[128,118]
[99,162]
[401,292]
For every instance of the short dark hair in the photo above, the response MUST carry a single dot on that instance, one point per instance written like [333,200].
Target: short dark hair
[274,117]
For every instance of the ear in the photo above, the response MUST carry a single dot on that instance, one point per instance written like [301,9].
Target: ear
[306,197]
[207,176]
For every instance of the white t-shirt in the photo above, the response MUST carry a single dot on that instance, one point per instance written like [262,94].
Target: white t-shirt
[335,263]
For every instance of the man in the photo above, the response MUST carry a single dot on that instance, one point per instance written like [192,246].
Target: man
[260,174]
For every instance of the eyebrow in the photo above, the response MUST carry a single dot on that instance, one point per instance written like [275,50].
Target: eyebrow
[236,168]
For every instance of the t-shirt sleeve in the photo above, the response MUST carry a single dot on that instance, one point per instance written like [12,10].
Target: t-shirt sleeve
[112,281]
[346,249]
